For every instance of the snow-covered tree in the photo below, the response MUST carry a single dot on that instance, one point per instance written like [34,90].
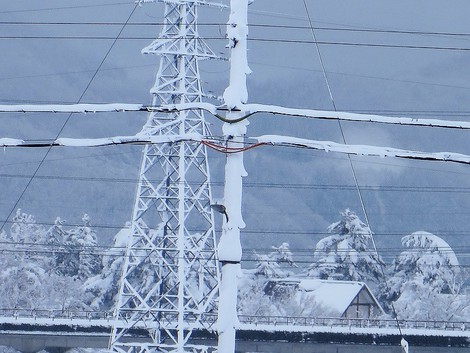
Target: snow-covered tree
[29,271]
[252,299]
[24,264]
[103,287]
[426,272]
[56,237]
[421,302]
[22,286]
[77,254]
[347,254]
[267,267]
[283,254]
[430,260]
[25,230]
[255,294]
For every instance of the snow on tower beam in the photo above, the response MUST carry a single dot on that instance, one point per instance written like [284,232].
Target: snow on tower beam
[246,110]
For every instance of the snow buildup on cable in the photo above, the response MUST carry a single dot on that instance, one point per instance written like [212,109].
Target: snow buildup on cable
[71,108]
[117,140]
[346,116]
[363,150]
[8,142]
[140,138]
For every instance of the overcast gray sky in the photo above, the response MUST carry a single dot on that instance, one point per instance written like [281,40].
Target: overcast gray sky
[293,194]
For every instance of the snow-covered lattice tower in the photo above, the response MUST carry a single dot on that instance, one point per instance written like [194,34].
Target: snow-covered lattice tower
[170,275]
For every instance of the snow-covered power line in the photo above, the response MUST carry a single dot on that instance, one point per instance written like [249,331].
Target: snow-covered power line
[273,140]
[71,108]
[358,117]
[362,150]
[247,109]
[106,141]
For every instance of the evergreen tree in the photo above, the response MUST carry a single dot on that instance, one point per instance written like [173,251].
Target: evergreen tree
[56,237]
[103,287]
[347,254]
[426,272]
[283,255]
[78,258]
[267,267]
[25,230]
[258,293]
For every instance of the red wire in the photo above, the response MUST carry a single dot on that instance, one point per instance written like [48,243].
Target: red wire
[225,149]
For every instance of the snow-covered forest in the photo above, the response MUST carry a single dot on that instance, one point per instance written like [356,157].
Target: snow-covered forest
[63,268]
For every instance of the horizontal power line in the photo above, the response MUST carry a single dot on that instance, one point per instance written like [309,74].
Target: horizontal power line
[65,7]
[217,156]
[249,110]
[143,254]
[266,140]
[73,248]
[253,39]
[454,113]
[287,232]
[342,187]
[393,112]
[415,112]
[25,246]
[256,25]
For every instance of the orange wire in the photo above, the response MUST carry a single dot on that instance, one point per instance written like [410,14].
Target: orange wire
[225,149]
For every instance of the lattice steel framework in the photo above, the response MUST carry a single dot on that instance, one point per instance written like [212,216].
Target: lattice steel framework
[170,274]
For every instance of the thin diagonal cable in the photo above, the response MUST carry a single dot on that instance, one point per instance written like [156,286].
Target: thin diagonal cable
[67,120]
[358,189]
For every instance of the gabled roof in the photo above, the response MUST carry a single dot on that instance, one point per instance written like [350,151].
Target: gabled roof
[334,295]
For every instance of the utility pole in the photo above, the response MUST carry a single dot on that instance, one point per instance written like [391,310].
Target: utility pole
[170,275]
[229,249]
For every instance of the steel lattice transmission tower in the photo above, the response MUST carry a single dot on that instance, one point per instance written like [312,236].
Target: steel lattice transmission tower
[170,275]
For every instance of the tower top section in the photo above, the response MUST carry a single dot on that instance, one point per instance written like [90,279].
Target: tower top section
[179,35]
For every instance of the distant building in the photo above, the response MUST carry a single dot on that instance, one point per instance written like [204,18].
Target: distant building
[342,299]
